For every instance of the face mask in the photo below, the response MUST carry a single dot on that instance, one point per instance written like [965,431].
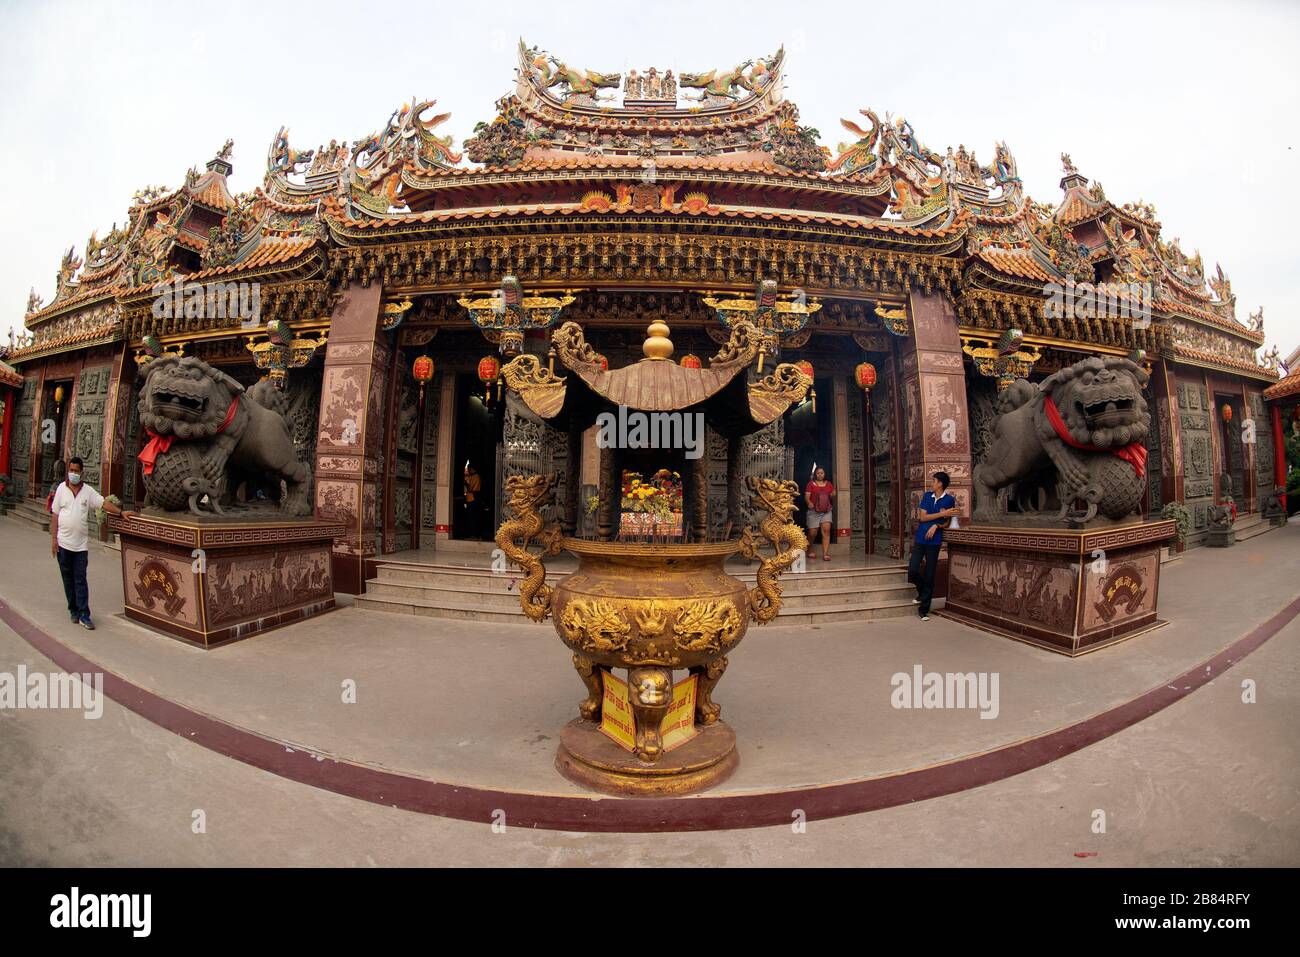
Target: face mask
[74,478]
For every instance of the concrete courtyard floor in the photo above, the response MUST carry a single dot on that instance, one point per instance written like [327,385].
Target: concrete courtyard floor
[1210,780]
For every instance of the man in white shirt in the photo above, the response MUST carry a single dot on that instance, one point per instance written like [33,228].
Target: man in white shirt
[70,538]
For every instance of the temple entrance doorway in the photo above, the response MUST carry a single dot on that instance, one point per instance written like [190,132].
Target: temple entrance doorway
[478,436]
[54,444]
[810,439]
[1232,452]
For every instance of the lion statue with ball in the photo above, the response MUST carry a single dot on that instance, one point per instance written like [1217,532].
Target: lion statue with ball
[207,435]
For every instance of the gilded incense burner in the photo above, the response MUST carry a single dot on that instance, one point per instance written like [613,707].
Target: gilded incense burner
[654,609]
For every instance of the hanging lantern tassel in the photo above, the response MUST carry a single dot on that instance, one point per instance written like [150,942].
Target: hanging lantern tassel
[812,394]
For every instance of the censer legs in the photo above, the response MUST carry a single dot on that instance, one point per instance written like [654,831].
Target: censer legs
[650,692]
[589,708]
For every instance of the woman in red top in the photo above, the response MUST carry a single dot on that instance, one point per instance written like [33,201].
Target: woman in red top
[820,496]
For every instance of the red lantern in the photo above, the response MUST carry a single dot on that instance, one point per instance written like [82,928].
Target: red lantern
[865,374]
[422,370]
[1227,412]
[691,361]
[489,371]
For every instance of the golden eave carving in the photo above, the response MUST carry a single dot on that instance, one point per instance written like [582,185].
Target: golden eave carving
[559,260]
[770,396]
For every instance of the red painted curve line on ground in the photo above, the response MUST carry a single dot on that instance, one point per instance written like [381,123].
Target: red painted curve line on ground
[612,815]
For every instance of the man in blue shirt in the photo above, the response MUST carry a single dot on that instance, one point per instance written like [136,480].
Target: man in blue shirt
[933,514]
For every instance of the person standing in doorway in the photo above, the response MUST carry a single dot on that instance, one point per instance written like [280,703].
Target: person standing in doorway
[472,502]
[936,509]
[70,538]
[820,496]
[60,473]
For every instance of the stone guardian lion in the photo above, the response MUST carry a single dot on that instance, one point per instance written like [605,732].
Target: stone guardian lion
[206,434]
[1090,422]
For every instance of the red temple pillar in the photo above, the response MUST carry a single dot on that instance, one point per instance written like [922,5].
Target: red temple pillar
[11,409]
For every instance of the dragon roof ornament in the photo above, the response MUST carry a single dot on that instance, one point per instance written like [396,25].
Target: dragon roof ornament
[548,79]
[407,142]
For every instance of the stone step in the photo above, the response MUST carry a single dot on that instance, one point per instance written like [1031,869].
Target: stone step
[1254,529]
[470,579]
[31,513]
[462,610]
[474,611]
[851,611]
[505,595]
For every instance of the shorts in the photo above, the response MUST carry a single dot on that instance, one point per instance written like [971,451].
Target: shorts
[816,519]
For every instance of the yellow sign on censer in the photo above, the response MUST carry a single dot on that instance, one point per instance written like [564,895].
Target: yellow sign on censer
[677,727]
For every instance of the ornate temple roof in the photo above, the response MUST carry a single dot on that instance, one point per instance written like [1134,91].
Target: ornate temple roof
[575,148]
[10,376]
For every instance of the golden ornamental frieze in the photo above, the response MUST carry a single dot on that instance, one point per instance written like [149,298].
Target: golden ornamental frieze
[986,310]
[292,301]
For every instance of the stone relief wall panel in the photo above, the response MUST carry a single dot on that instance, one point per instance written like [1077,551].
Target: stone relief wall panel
[1015,587]
[21,438]
[429,468]
[1198,466]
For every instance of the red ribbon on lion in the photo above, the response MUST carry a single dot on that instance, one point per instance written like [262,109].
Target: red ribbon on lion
[158,444]
[1135,453]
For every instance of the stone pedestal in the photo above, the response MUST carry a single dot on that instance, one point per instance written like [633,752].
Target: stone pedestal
[588,758]
[1070,591]
[210,583]
[1221,536]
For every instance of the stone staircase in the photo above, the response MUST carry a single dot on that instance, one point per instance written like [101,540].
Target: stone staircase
[1248,526]
[463,591]
[31,512]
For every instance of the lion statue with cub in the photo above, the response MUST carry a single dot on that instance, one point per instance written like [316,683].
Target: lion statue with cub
[1089,421]
[207,435]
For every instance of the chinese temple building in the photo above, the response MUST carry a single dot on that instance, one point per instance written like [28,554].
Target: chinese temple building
[385,283]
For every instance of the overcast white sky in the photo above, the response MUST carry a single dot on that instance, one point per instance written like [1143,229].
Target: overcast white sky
[1191,106]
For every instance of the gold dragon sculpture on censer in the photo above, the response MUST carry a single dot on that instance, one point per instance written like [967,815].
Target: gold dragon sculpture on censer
[652,608]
